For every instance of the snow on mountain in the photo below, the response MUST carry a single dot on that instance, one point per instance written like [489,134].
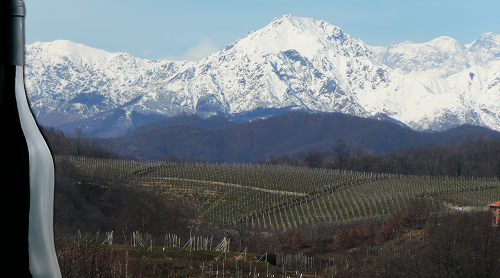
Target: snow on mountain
[463,80]
[440,57]
[293,63]
[485,49]
[70,82]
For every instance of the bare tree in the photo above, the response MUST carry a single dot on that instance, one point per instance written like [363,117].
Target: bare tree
[364,160]
[79,142]
[342,151]
[313,159]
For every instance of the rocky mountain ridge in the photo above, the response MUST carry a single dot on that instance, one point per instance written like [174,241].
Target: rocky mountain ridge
[293,63]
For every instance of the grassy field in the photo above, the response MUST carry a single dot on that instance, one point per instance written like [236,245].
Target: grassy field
[276,197]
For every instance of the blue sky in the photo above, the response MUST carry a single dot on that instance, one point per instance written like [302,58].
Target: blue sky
[192,29]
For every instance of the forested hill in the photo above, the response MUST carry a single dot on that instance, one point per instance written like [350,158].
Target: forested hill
[217,139]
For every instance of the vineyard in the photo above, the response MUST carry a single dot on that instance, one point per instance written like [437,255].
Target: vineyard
[280,198]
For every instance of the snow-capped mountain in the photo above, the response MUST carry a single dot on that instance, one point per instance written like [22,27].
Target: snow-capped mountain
[463,80]
[293,63]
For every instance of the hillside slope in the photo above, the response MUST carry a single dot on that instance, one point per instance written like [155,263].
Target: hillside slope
[189,136]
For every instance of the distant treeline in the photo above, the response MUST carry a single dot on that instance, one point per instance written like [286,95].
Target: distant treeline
[79,144]
[472,157]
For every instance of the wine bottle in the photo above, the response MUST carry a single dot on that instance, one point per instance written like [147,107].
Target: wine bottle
[27,168]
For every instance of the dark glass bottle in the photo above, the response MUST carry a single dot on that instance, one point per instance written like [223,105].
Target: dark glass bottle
[27,169]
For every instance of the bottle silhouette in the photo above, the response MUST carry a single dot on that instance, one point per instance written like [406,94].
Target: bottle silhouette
[27,169]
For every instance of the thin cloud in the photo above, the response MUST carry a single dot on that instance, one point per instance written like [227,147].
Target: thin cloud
[202,50]
[147,52]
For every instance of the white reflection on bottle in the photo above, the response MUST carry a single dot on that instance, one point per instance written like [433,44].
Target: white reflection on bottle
[42,254]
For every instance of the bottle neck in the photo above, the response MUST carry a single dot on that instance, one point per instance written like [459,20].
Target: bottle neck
[12,35]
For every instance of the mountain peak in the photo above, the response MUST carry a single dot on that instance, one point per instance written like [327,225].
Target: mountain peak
[59,50]
[290,19]
[303,23]
[441,57]
[307,36]
[69,47]
[490,36]
[486,48]
[444,42]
